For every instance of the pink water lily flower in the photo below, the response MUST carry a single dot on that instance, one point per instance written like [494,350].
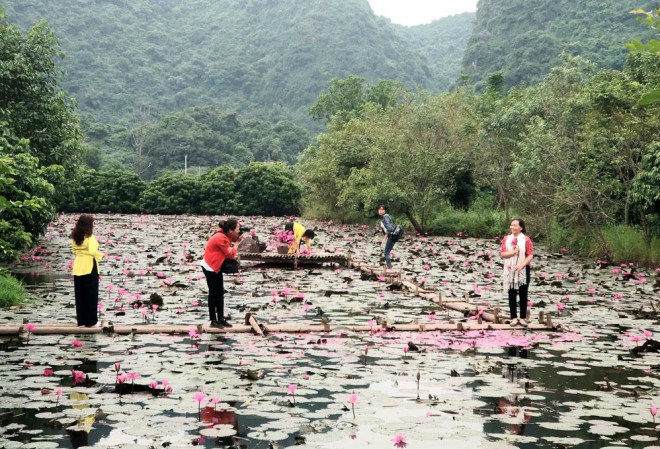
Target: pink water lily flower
[399,440]
[352,398]
[77,343]
[199,397]
[29,327]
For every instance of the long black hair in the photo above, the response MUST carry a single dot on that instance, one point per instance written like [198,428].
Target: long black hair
[84,228]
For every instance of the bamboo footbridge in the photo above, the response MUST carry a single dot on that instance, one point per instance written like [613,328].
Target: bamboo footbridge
[482,319]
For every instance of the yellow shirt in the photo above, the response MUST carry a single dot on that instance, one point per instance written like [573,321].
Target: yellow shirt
[298,231]
[85,254]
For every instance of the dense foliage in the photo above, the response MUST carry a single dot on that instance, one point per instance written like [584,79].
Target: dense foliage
[259,57]
[106,191]
[39,136]
[442,42]
[577,151]
[257,189]
[12,291]
[268,189]
[200,138]
[524,40]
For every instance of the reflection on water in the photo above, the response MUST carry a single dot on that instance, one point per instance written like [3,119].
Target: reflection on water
[39,278]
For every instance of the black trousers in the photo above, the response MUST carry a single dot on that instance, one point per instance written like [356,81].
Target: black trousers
[522,294]
[86,290]
[216,294]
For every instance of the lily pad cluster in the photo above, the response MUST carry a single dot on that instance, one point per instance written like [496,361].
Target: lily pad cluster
[584,387]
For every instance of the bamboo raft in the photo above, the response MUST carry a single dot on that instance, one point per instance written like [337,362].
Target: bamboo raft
[486,319]
[258,328]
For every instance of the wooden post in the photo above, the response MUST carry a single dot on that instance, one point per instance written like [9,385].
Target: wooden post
[295,261]
[548,321]
[497,315]
[252,321]
[541,317]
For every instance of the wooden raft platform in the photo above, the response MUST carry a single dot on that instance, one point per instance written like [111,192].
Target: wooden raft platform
[295,259]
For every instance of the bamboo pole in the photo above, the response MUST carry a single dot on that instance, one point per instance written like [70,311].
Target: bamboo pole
[72,329]
[252,321]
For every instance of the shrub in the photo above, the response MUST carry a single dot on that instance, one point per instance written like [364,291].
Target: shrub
[218,195]
[12,291]
[103,191]
[268,189]
[483,224]
[172,193]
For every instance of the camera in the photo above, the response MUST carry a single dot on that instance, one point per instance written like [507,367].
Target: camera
[243,229]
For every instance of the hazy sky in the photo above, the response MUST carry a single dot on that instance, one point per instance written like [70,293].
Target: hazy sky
[416,12]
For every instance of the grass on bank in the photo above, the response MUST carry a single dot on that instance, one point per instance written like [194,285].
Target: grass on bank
[12,291]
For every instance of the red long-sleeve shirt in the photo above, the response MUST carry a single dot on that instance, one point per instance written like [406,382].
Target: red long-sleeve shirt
[218,248]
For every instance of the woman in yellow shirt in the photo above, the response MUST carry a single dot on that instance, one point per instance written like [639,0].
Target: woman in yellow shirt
[85,271]
[299,233]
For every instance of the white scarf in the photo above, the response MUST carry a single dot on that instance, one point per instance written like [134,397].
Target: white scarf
[512,279]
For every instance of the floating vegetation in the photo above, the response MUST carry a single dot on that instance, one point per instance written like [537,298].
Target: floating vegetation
[476,389]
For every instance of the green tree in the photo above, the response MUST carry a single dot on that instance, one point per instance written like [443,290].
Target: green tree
[107,191]
[172,193]
[34,107]
[40,139]
[218,192]
[414,154]
[652,47]
[346,98]
[25,198]
[268,189]
[646,190]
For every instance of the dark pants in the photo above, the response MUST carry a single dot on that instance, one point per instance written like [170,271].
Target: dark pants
[388,247]
[216,294]
[522,293]
[86,290]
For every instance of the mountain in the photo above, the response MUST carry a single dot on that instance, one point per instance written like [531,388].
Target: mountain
[524,39]
[263,58]
[442,43]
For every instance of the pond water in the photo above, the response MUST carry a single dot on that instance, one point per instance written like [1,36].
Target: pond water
[585,387]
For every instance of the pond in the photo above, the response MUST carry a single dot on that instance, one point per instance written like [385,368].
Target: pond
[586,387]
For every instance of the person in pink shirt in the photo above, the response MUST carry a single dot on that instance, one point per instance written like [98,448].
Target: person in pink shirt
[517,251]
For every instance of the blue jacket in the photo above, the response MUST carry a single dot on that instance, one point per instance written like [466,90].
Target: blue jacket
[387,223]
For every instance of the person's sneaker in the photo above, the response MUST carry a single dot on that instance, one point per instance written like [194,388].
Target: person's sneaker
[224,323]
[215,323]
[522,322]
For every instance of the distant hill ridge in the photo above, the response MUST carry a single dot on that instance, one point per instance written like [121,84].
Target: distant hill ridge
[271,58]
[524,39]
[259,57]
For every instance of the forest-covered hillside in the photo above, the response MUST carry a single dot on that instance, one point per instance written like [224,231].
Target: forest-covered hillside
[442,42]
[262,58]
[525,39]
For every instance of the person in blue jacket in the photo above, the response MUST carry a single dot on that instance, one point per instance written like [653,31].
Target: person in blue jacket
[388,228]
